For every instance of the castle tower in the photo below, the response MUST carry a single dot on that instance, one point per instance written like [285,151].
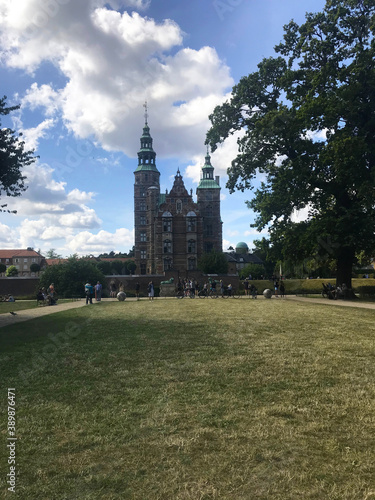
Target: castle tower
[208,200]
[146,196]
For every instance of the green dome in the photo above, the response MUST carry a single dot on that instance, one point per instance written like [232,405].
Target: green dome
[242,247]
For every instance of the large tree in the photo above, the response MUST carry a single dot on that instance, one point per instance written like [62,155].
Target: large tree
[308,118]
[13,157]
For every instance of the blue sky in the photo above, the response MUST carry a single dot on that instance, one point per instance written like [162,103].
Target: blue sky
[82,69]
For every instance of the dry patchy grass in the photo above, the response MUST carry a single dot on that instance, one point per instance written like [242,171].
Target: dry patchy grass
[194,399]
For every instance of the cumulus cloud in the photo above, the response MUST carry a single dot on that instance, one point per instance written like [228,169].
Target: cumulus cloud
[32,136]
[112,62]
[221,159]
[102,242]
[43,96]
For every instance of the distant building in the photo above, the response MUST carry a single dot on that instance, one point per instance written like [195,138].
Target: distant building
[172,231]
[240,258]
[22,260]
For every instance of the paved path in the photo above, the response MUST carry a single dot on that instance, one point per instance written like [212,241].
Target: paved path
[7,319]
[343,303]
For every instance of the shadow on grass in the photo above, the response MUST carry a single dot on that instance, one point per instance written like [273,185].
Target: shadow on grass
[187,400]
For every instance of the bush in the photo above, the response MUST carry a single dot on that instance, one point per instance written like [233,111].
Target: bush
[366,291]
[11,271]
[69,278]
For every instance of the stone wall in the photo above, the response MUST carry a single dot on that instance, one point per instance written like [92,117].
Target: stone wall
[19,287]
[22,286]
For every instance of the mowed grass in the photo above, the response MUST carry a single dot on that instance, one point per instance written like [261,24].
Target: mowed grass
[193,399]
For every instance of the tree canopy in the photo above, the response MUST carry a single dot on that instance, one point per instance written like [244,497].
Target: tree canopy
[13,157]
[213,263]
[308,121]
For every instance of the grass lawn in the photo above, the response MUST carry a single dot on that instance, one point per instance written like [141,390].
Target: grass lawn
[193,399]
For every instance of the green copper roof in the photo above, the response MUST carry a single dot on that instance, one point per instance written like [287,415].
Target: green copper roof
[208,184]
[161,198]
[147,167]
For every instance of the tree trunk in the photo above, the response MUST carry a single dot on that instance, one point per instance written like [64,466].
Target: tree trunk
[345,262]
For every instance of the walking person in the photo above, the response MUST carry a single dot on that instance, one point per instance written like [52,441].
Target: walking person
[276,285]
[150,291]
[89,291]
[246,286]
[137,287]
[98,292]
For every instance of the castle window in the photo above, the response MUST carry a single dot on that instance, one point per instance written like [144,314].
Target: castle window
[167,246]
[167,264]
[192,264]
[143,236]
[208,230]
[191,225]
[192,247]
[142,205]
[143,220]
[167,222]
[143,254]
[178,206]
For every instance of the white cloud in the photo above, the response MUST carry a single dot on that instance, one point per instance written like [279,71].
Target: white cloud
[102,242]
[112,62]
[32,136]
[42,96]
[221,159]
[85,219]
[8,237]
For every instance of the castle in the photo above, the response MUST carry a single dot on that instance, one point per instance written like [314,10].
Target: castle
[171,230]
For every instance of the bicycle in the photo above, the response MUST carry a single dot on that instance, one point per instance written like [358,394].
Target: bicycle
[181,294]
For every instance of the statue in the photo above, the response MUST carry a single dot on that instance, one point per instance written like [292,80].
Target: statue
[168,282]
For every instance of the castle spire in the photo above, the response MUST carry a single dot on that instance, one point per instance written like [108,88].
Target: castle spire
[146,154]
[146,113]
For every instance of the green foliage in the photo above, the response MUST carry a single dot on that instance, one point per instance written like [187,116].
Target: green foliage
[366,291]
[308,117]
[105,267]
[51,254]
[255,270]
[69,278]
[35,268]
[131,266]
[11,271]
[13,157]
[3,267]
[118,266]
[213,263]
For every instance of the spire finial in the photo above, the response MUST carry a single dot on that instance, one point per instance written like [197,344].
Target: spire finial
[146,113]
[208,152]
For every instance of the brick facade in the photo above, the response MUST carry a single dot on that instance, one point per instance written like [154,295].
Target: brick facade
[172,231]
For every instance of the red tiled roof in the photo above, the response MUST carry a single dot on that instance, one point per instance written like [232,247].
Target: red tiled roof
[9,254]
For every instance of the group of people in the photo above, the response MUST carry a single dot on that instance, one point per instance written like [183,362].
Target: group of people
[332,292]
[93,291]
[279,287]
[47,297]
[7,298]
[250,288]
